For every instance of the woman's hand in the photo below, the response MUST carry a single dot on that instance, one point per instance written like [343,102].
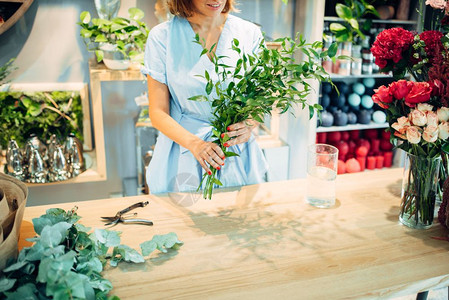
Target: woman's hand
[239,133]
[208,154]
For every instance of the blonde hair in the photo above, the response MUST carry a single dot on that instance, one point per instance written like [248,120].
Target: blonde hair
[185,8]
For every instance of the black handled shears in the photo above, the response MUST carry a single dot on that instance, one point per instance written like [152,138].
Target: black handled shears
[120,216]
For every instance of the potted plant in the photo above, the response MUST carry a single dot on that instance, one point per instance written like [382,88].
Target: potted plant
[352,27]
[116,42]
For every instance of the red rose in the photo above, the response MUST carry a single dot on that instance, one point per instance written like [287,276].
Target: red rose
[437,87]
[382,96]
[400,89]
[419,93]
[390,44]
[432,39]
[445,20]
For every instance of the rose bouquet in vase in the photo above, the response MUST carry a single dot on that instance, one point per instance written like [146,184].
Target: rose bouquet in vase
[417,112]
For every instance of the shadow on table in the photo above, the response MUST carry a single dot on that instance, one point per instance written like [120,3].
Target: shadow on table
[265,229]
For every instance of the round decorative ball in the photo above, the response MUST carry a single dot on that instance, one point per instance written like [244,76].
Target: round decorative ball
[325,101]
[369,82]
[354,99]
[352,117]
[326,88]
[343,87]
[358,88]
[367,102]
[327,119]
[379,117]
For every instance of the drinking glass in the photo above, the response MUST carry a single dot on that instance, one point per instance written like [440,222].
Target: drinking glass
[322,162]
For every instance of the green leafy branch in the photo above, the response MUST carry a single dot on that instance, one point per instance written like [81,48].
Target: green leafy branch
[66,260]
[258,84]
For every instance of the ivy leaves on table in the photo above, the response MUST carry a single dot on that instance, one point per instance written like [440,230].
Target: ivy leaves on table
[67,259]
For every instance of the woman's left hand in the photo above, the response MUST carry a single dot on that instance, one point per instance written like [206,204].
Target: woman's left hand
[239,133]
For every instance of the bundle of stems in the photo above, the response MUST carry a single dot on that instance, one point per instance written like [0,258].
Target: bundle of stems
[257,84]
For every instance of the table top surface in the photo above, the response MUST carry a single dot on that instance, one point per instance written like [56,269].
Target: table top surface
[263,241]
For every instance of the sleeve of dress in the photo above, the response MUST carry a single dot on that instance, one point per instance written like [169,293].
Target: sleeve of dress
[257,38]
[155,55]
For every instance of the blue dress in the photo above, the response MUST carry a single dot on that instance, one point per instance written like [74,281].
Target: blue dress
[172,58]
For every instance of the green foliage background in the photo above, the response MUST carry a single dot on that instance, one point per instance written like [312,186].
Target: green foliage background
[24,113]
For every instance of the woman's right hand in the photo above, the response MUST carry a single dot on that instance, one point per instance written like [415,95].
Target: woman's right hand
[208,154]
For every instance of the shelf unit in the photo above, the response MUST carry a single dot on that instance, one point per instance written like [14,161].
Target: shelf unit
[372,125]
[19,7]
[410,24]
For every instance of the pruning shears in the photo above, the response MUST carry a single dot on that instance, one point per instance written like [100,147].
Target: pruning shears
[120,216]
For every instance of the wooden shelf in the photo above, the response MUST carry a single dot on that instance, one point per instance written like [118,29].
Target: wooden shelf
[98,73]
[375,21]
[377,75]
[20,11]
[372,125]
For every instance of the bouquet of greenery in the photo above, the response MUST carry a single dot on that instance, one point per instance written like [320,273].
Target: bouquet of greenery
[258,84]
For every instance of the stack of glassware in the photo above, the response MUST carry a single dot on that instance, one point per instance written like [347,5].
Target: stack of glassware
[41,163]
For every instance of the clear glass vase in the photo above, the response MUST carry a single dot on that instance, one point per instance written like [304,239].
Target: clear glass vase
[107,9]
[419,191]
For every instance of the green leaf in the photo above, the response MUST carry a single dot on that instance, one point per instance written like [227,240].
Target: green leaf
[85,17]
[209,87]
[354,23]
[99,54]
[107,237]
[161,242]
[27,291]
[51,236]
[135,13]
[217,182]
[100,39]
[6,284]
[336,27]
[199,98]
[332,51]
[343,11]
[230,153]
[126,253]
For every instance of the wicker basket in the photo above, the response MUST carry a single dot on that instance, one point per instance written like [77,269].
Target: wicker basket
[13,197]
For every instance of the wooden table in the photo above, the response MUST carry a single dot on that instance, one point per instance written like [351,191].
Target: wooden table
[264,242]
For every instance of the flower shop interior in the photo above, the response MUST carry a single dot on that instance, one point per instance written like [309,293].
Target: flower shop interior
[75,128]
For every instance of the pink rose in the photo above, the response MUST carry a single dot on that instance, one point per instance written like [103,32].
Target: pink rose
[438,4]
[443,130]
[382,96]
[401,125]
[430,134]
[424,107]
[413,134]
[418,118]
[432,118]
[419,93]
[399,89]
[443,114]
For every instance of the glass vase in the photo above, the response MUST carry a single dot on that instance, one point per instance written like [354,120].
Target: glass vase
[444,172]
[419,191]
[107,9]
